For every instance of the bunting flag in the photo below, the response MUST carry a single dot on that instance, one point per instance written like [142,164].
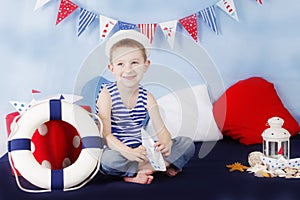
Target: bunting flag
[229,7]
[148,30]
[20,106]
[106,25]
[169,30]
[126,26]
[40,3]
[259,1]
[190,24]
[65,9]
[209,16]
[85,19]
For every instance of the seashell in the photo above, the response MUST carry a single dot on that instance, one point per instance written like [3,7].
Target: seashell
[254,158]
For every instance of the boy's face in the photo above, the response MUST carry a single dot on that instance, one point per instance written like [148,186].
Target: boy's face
[128,65]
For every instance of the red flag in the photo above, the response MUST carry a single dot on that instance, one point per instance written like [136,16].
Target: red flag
[35,91]
[148,30]
[259,1]
[190,24]
[66,7]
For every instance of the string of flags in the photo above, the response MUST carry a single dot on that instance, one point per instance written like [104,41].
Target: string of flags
[22,106]
[106,24]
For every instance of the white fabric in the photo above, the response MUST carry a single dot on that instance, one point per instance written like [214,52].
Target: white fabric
[188,112]
[128,34]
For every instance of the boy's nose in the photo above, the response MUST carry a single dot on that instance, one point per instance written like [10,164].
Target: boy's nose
[127,68]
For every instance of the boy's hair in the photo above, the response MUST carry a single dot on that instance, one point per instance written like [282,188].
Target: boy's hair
[128,43]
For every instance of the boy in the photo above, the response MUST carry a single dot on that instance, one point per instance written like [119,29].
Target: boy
[122,107]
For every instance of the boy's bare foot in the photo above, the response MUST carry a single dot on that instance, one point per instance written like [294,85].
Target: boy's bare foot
[172,172]
[142,177]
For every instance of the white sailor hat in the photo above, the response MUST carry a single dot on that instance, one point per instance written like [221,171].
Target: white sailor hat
[128,34]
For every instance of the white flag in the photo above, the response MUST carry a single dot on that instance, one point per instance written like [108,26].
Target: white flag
[229,7]
[40,3]
[169,30]
[106,25]
[20,106]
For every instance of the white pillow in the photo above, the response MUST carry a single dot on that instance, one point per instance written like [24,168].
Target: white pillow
[188,112]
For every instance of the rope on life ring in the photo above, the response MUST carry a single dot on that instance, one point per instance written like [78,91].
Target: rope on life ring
[70,178]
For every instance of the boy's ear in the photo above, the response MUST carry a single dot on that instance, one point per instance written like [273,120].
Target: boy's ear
[147,64]
[110,67]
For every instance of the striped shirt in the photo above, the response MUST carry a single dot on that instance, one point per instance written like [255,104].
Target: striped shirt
[126,123]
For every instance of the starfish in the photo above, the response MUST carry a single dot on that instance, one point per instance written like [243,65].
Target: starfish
[237,166]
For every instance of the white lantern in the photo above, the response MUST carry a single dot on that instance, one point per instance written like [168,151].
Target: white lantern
[276,140]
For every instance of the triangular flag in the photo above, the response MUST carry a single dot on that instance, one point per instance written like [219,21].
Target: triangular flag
[169,30]
[33,91]
[209,16]
[259,1]
[148,30]
[71,98]
[65,9]
[190,24]
[126,26]
[40,3]
[229,7]
[106,25]
[85,19]
[20,106]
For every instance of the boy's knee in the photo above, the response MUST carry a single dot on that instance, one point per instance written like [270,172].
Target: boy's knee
[190,146]
[186,143]
[109,157]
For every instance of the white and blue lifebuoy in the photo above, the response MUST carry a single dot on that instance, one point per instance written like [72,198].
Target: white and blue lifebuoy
[71,177]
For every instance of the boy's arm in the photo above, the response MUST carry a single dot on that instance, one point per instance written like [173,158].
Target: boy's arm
[164,143]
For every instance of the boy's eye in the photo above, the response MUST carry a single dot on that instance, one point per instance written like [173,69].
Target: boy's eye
[120,64]
[135,62]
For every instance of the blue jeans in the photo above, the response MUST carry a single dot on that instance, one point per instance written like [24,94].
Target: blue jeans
[114,163]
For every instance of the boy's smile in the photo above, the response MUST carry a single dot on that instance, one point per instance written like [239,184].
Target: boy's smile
[129,77]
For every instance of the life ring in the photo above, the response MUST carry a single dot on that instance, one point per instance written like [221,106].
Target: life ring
[73,176]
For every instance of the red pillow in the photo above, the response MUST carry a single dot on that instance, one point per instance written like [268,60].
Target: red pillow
[244,109]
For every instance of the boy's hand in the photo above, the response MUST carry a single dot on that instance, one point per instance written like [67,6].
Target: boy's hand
[164,148]
[138,154]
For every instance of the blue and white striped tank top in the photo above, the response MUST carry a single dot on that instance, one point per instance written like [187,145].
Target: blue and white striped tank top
[126,123]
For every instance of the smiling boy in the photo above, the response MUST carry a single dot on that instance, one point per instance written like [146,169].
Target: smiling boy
[123,105]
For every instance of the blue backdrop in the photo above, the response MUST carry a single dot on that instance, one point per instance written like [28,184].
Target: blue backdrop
[37,54]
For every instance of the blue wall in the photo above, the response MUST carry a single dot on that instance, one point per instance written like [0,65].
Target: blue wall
[37,54]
